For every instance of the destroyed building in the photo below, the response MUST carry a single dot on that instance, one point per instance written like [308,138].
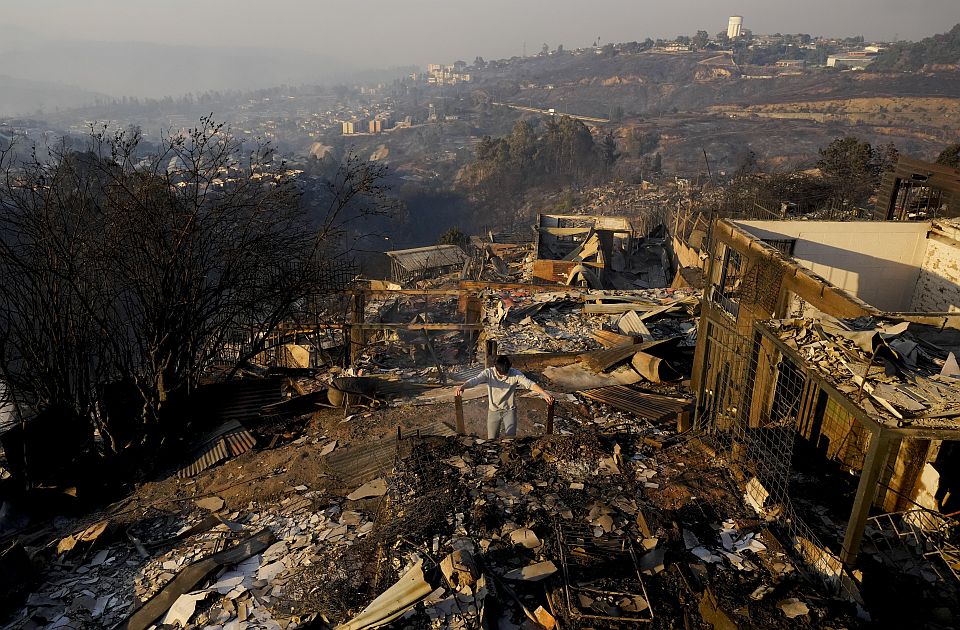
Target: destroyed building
[419,263]
[600,252]
[711,459]
[919,190]
[832,347]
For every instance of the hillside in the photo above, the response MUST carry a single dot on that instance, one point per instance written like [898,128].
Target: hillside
[938,51]
[23,96]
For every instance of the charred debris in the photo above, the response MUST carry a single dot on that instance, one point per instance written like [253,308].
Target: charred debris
[765,449]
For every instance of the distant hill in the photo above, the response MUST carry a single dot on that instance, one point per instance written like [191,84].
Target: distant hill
[939,50]
[23,96]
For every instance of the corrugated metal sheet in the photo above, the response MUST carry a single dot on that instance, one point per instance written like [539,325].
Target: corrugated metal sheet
[641,403]
[428,257]
[234,400]
[228,440]
[600,360]
[354,466]
[393,602]
[609,339]
[437,429]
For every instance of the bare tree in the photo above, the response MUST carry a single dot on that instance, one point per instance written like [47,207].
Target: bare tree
[116,266]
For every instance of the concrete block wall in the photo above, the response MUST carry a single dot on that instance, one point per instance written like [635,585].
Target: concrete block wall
[938,287]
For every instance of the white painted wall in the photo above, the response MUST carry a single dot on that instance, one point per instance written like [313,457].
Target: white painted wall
[938,288]
[878,262]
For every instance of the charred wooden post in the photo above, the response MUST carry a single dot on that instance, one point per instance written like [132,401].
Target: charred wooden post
[550,409]
[357,336]
[461,426]
[491,353]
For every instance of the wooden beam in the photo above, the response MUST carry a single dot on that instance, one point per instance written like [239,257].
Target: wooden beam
[873,464]
[492,350]
[558,231]
[418,326]
[436,359]
[461,425]
[475,285]
[412,291]
[357,338]
[623,307]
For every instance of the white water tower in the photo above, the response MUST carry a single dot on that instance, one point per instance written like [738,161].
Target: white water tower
[735,26]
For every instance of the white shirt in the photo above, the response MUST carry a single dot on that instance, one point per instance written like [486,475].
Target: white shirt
[500,389]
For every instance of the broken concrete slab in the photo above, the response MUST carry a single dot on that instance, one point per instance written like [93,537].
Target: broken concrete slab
[375,488]
[211,504]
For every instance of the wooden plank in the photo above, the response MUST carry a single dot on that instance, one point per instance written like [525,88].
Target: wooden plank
[550,409]
[461,425]
[614,309]
[417,326]
[609,339]
[436,359]
[475,285]
[542,359]
[660,311]
[412,291]
[558,231]
[600,360]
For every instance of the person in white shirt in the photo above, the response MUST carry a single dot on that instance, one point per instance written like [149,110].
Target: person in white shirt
[502,383]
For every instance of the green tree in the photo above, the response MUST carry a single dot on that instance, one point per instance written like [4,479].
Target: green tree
[700,40]
[851,168]
[454,236]
[522,144]
[607,149]
[950,156]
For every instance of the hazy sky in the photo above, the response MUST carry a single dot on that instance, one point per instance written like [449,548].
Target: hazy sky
[397,32]
[171,47]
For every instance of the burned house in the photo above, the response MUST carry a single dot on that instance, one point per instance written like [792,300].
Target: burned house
[597,252]
[420,263]
[918,190]
[826,370]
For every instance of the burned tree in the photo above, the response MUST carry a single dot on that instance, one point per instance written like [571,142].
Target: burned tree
[121,267]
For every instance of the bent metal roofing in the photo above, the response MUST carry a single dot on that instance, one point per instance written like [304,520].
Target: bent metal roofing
[428,257]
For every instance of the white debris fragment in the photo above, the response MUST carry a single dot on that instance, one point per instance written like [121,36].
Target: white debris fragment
[375,488]
[793,607]
[183,609]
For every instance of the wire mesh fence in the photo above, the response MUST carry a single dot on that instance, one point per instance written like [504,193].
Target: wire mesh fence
[918,542]
[752,400]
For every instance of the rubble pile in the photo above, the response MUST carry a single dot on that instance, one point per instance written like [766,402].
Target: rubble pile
[301,571]
[611,520]
[895,370]
[564,321]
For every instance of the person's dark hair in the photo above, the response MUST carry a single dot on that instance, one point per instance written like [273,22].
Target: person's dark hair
[502,364]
